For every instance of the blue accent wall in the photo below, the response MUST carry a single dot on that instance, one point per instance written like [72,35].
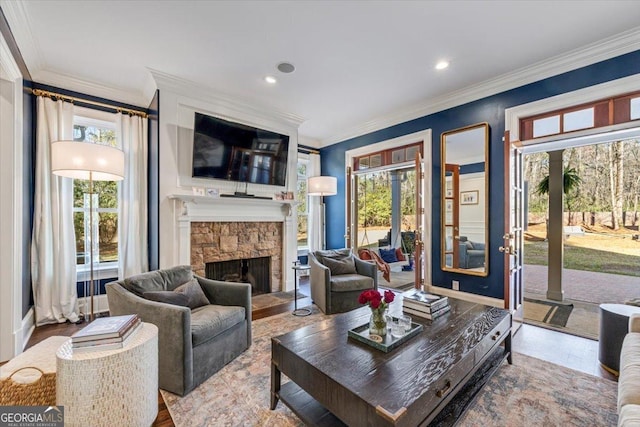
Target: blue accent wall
[153,189]
[28,179]
[490,109]
[472,168]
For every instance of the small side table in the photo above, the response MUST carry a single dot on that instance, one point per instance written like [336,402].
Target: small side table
[110,387]
[614,325]
[298,311]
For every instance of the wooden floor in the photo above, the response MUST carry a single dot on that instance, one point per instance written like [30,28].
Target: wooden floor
[571,351]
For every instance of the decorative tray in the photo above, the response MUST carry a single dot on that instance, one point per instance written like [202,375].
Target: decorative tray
[386,343]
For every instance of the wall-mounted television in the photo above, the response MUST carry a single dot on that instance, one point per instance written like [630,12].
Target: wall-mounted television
[237,152]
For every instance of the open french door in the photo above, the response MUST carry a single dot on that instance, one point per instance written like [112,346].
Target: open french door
[513,229]
[419,242]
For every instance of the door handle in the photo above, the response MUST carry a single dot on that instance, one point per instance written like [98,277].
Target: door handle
[508,236]
[507,250]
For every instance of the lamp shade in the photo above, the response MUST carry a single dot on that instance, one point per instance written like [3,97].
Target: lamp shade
[77,160]
[322,186]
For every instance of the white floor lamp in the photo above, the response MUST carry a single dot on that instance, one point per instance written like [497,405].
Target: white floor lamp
[322,186]
[93,162]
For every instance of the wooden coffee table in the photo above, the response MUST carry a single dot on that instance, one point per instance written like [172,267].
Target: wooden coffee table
[336,380]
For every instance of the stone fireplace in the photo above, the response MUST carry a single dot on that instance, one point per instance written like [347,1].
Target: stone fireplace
[250,250]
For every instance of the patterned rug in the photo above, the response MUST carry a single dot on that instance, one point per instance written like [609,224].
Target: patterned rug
[531,392]
[273,299]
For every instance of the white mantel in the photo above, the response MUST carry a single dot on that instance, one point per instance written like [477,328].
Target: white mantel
[233,209]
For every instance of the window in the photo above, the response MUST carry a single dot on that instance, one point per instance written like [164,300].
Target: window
[105,201]
[604,112]
[303,205]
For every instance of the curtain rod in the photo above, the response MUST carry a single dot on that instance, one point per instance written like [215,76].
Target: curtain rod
[40,92]
[308,150]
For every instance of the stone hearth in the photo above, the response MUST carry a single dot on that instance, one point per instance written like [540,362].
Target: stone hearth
[225,241]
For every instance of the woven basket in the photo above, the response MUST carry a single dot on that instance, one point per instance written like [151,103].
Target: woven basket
[41,392]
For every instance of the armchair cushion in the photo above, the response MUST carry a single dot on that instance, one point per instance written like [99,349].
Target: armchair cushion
[339,266]
[193,292]
[333,254]
[159,280]
[350,282]
[211,320]
[168,297]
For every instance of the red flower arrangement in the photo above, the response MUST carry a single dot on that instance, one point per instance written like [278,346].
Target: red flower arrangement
[375,300]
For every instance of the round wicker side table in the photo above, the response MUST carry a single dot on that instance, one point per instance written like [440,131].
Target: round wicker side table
[110,387]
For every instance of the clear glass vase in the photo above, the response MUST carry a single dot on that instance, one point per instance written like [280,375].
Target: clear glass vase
[378,322]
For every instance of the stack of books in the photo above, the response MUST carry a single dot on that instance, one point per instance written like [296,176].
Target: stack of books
[423,304]
[106,333]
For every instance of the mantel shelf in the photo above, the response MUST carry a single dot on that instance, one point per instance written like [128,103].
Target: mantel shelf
[206,200]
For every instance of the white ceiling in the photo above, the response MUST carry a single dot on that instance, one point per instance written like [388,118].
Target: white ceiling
[360,65]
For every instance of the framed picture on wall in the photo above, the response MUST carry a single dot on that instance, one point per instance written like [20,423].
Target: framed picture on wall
[469,197]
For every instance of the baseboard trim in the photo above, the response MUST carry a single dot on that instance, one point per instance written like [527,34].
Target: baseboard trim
[26,329]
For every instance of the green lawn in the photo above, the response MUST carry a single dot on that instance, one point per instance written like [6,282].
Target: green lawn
[578,258]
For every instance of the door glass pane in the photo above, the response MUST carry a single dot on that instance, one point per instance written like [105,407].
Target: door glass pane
[575,120]
[546,126]
[635,108]
[108,237]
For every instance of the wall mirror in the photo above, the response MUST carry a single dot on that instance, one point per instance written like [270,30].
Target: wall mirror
[464,200]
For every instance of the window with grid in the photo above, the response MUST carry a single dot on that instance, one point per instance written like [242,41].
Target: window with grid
[105,201]
[303,205]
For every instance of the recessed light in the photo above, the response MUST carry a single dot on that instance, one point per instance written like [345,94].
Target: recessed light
[286,67]
[441,65]
[270,79]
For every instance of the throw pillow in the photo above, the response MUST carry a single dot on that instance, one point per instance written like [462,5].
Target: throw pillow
[469,245]
[400,255]
[167,297]
[388,255]
[193,292]
[341,266]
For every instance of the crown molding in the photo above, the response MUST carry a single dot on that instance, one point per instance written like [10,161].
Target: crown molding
[194,90]
[20,25]
[76,84]
[611,47]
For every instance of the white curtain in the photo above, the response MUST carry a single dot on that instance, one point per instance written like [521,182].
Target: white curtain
[314,219]
[131,131]
[53,253]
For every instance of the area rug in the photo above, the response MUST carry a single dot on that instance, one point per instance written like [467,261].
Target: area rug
[550,312]
[272,299]
[530,392]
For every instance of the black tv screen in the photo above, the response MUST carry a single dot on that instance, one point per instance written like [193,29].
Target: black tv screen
[237,152]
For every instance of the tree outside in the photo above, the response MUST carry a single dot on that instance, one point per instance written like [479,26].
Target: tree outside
[107,192]
[602,191]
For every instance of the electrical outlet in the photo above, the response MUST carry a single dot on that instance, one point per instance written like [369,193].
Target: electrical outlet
[455,285]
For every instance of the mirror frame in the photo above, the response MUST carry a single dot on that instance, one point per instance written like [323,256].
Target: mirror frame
[443,158]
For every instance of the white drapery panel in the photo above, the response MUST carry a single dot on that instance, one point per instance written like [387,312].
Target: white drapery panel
[314,219]
[131,131]
[53,252]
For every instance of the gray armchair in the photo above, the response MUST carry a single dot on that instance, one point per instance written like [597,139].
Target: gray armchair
[337,279]
[193,343]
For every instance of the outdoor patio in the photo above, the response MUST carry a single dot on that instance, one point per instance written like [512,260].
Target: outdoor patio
[586,290]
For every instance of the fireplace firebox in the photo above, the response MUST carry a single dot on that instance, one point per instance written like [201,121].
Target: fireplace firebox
[255,271]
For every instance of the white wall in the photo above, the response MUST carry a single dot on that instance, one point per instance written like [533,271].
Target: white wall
[179,100]
[11,329]
[472,221]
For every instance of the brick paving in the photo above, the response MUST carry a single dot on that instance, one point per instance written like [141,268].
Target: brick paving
[587,286]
